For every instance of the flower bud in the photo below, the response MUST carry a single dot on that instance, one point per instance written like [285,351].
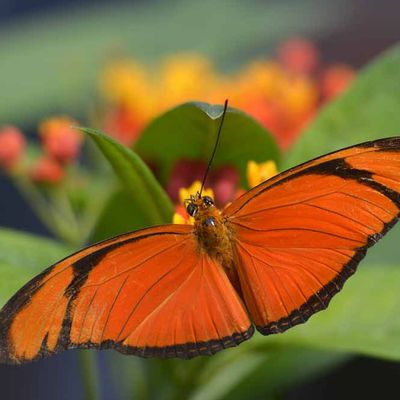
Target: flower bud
[12,146]
[47,170]
[335,80]
[299,56]
[59,139]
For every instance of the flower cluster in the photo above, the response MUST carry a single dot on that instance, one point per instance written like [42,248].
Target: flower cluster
[60,145]
[283,94]
[256,173]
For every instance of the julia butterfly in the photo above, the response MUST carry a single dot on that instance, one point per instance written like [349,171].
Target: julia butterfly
[268,261]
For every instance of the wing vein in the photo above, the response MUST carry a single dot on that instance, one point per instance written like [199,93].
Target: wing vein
[132,268]
[112,306]
[342,215]
[145,293]
[272,281]
[298,229]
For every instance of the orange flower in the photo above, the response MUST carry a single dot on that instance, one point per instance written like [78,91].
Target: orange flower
[47,170]
[123,125]
[59,139]
[12,146]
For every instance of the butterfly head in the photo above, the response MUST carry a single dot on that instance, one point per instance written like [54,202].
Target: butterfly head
[197,204]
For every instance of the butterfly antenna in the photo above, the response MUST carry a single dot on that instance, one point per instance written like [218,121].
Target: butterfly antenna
[215,147]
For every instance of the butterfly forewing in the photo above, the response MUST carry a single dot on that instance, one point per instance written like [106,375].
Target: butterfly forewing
[149,293]
[300,235]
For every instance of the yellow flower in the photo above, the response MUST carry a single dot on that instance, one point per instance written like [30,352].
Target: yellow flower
[184,194]
[260,79]
[127,83]
[179,219]
[300,96]
[260,172]
[121,79]
[185,77]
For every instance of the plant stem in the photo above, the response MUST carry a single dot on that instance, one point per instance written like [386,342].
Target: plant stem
[89,372]
[62,226]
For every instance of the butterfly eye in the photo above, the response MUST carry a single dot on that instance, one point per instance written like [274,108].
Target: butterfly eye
[208,201]
[191,209]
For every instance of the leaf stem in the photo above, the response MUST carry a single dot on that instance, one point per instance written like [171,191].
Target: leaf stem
[89,372]
[51,217]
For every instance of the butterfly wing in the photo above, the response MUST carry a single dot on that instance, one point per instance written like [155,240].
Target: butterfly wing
[149,293]
[301,234]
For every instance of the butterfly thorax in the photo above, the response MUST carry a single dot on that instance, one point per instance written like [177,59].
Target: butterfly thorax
[212,233]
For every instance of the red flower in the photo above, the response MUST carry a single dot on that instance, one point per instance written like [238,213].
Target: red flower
[60,140]
[47,170]
[223,181]
[299,56]
[123,125]
[12,146]
[184,173]
[335,80]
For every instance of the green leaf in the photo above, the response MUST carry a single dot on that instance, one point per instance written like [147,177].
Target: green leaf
[119,216]
[222,382]
[148,197]
[285,368]
[386,250]
[265,374]
[189,132]
[364,318]
[368,110]
[22,256]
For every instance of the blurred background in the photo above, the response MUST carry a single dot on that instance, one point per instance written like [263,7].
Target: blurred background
[55,57]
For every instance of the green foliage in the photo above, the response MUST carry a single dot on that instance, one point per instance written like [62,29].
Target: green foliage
[112,221]
[362,319]
[265,374]
[189,132]
[368,110]
[22,256]
[148,197]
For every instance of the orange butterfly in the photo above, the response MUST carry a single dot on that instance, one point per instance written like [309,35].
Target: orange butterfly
[271,259]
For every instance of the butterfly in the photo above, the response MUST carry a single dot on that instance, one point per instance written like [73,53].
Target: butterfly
[268,261]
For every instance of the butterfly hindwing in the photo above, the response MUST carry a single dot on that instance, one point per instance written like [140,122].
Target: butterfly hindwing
[301,234]
[149,293]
